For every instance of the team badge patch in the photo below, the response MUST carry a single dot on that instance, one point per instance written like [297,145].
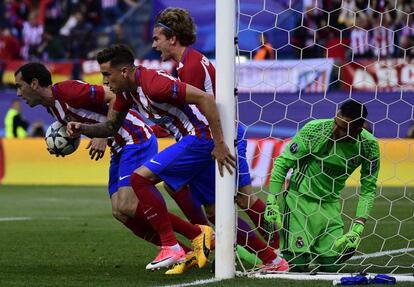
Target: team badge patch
[299,242]
[293,148]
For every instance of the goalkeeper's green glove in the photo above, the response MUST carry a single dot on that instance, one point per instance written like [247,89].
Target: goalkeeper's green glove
[272,218]
[349,242]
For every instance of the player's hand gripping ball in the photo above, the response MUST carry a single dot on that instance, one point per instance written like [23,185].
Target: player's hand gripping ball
[58,142]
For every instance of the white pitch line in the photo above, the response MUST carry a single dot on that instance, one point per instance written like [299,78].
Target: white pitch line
[32,218]
[195,283]
[382,253]
[15,218]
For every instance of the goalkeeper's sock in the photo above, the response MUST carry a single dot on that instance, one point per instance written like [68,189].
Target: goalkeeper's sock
[246,235]
[247,256]
[154,208]
[189,206]
[256,214]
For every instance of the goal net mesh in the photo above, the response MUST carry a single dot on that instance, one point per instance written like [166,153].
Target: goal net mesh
[300,60]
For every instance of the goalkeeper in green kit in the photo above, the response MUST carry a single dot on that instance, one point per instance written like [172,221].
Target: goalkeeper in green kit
[323,155]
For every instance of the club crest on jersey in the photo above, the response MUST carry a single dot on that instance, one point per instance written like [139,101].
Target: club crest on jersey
[299,242]
[293,148]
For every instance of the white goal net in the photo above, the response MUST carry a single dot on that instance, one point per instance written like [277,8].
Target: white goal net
[298,61]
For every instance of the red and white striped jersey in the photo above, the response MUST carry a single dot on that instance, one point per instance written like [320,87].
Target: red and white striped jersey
[109,3]
[83,102]
[161,98]
[195,69]
[383,41]
[359,42]
[407,30]
[32,35]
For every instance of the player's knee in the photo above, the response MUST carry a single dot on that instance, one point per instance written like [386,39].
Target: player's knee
[127,201]
[118,215]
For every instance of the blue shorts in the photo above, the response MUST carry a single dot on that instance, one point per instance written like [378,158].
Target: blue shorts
[127,160]
[243,173]
[188,161]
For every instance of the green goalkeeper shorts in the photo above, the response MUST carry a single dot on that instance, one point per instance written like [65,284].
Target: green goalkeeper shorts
[309,225]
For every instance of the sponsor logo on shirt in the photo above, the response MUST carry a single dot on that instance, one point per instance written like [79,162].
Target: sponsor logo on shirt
[123,177]
[156,162]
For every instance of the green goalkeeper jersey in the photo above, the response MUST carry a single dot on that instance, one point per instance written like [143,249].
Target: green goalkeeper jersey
[322,165]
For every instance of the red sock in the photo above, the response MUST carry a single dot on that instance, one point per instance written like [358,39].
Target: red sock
[154,208]
[256,214]
[183,227]
[247,238]
[143,230]
[191,209]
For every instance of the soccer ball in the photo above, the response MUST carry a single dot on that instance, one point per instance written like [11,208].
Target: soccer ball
[58,141]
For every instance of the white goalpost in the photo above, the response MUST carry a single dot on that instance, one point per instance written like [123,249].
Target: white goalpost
[225,186]
[278,96]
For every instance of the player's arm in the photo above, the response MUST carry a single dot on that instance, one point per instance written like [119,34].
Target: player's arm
[101,130]
[349,242]
[369,175]
[297,148]
[97,146]
[116,114]
[207,104]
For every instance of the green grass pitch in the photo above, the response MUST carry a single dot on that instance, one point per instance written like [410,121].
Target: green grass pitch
[66,236]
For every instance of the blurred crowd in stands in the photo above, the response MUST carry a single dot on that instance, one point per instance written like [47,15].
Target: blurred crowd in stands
[352,29]
[73,29]
[57,29]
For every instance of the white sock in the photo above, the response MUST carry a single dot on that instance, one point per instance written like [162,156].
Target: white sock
[277,260]
[176,247]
